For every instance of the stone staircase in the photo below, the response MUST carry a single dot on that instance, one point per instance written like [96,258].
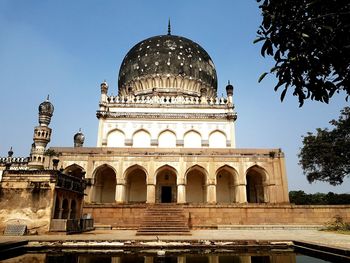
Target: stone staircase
[164,219]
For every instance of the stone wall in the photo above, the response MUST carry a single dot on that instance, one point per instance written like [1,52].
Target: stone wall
[210,216]
[20,204]
[261,214]
[118,216]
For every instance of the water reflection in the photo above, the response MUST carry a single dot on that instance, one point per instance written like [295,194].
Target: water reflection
[137,258]
[280,257]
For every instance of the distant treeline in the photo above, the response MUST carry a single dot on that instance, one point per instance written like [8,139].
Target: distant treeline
[302,198]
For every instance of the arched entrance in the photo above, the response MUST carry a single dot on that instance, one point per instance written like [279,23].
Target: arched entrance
[225,185]
[136,190]
[255,185]
[196,190]
[166,188]
[104,186]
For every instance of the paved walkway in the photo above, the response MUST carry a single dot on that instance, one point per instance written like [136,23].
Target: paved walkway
[313,236]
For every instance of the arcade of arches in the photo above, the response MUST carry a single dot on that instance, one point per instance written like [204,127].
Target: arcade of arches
[195,186]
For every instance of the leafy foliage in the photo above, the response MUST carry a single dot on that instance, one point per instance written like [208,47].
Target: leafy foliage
[301,198]
[310,43]
[325,156]
[338,225]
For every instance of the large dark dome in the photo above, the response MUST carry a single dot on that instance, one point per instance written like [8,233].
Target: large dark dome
[169,64]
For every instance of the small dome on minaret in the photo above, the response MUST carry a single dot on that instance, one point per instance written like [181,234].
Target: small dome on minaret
[79,139]
[229,89]
[45,112]
[104,87]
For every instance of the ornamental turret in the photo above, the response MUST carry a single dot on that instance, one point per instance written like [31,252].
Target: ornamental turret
[42,135]
[79,139]
[229,92]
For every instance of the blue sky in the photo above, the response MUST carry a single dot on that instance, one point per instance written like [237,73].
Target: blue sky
[67,48]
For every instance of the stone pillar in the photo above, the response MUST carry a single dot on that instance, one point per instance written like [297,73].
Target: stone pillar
[181,259]
[245,259]
[61,208]
[211,194]
[213,259]
[69,208]
[151,194]
[115,260]
[181,193]
[120,193]
[241,193]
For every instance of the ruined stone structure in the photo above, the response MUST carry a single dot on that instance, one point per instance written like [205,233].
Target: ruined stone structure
[165,138]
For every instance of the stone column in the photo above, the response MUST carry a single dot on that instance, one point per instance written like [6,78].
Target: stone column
[245,259]
[148,259]
[214,259]
[241,193]
[61,208]
[181,193]
[151,194]
[120,193]
[69,208]
[115,260]
[211,194]
[181,259]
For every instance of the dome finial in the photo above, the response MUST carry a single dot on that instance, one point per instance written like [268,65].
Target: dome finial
[48,97]
[228,82]
[169,27]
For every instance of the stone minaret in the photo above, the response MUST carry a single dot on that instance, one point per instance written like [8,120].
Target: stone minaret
[42,135]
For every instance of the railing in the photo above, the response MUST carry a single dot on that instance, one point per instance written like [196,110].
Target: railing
[71,225]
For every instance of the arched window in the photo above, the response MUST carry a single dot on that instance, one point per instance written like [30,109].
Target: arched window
[116,138]
[167,139]
[217,139]
[192,139]
[141,139]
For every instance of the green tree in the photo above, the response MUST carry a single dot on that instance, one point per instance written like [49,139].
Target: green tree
[325,156]
[310,43]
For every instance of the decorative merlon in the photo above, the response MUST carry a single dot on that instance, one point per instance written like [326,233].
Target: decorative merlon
[131,99]
[171,116]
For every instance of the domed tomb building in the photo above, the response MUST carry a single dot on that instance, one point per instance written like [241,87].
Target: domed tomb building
[167,137]
[166,142]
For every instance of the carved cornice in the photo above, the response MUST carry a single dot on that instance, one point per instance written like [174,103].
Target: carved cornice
[172,116]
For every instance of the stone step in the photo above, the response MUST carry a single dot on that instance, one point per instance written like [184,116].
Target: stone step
[164,219]
[102,227]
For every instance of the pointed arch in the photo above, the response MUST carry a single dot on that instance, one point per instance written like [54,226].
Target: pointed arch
[116,138]
[217,139]
[256,177]
[167,139]
[136,184]
[226,184]
[105,181]
[192,139]
[196,187]
[74,170]
[141,138]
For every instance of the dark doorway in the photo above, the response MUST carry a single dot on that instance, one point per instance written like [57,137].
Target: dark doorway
[166,194]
